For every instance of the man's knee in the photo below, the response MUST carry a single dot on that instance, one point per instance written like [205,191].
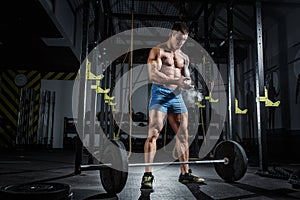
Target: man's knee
[153,135]
[182,136]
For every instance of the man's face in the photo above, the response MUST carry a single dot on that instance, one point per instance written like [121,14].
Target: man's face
[178,39]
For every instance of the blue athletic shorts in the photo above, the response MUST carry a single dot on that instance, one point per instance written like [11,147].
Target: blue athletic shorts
[166,100]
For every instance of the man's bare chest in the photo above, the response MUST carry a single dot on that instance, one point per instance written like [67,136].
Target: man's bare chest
[170,58]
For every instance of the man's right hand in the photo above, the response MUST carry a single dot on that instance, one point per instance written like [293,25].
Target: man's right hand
[185,83]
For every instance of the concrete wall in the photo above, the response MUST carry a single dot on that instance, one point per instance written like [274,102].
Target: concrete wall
[63,106]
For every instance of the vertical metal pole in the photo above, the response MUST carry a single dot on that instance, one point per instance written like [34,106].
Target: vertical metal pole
[259,82]
[252,66]
[92,116]
[206,43]
[106,107]
[112,86]
[94,65]
[207,68]
[130,78]
[103,107]
[97,22]
[109,110]
[231,81]
[82,91]
[108,85]
[122,65]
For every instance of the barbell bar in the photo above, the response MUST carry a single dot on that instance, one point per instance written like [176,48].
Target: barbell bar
[91,167]
[230,162]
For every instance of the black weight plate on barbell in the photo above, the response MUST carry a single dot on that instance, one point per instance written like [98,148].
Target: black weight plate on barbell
[35,191]
[114,178]
[238,161]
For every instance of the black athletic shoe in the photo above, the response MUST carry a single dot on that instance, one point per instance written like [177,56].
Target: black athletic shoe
[147,181]
[190,178]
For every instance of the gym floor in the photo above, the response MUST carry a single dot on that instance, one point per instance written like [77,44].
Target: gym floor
[22,166]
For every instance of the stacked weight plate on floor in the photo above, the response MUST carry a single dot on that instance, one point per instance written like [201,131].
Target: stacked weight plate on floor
[36,191]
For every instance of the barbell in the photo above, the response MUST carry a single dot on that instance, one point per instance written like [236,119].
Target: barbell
[106,165]
[230,162]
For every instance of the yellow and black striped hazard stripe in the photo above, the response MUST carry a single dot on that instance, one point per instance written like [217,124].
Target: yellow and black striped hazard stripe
[10,99]
[59,76]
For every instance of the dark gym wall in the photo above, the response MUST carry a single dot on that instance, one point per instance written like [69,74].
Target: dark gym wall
[281,48]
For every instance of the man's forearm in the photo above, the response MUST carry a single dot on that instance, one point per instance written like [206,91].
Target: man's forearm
[156,76]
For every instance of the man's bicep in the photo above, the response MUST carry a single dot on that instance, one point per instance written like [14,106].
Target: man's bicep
[153,55]
[154,59]
[153,64]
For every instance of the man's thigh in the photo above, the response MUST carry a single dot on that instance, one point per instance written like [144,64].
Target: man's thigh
[156,119]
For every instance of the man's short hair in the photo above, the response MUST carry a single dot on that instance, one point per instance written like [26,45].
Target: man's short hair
[180,26]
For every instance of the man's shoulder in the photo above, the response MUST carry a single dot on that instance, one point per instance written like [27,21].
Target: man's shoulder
[155,49]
